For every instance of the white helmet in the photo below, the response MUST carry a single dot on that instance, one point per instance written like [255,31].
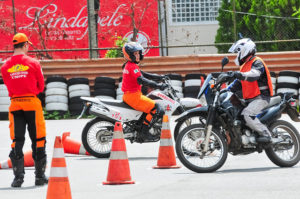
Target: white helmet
[244,48]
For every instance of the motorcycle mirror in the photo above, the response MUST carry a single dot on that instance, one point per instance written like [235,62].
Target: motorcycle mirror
[225,61]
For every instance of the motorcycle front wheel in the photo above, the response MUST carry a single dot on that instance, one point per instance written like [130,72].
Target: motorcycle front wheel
[189,145]
[287,152]
[97,137]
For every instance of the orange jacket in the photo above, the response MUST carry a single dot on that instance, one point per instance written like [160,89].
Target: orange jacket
[251,89]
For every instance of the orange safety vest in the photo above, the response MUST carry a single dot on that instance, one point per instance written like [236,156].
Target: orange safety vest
[251,89]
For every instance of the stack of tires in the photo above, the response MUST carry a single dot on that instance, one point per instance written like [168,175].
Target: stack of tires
[119,90]
[288,81]
[56,94]
[105,88]
[78,87]
[176,82]
[192,84]
[273,78]
[4,101]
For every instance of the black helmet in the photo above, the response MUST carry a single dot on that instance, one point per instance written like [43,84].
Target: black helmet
[130,48]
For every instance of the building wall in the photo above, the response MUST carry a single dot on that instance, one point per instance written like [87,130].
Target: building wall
[191,34]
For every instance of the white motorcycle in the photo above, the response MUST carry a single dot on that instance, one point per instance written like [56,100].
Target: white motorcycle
[97,134]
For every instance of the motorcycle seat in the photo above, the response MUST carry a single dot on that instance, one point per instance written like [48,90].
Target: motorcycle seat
[117,103]
[273,101]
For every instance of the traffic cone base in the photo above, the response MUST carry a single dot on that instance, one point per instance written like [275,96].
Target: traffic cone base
[166,156]
[118,168]
[72,146]
[58,184]
[28,161]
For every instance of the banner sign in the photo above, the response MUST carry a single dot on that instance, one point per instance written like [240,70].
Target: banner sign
[63,24]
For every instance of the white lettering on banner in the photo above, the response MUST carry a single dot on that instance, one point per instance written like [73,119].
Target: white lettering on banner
[47,14]
[166,98]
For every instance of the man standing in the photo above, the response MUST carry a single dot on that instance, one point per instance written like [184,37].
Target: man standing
[24,80]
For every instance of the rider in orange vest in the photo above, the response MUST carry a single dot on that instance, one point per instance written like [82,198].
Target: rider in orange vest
[133,79]
[254,81]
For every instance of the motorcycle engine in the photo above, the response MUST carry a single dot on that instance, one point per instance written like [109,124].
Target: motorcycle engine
[248,138]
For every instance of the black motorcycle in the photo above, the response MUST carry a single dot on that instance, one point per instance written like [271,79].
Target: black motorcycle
[204,147]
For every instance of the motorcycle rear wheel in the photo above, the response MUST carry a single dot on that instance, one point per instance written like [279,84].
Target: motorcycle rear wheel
[285,155]
[188,149]
[94,137]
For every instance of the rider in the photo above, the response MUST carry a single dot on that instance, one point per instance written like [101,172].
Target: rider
[254,81]
[133,78]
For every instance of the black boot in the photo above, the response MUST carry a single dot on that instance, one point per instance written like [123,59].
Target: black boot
[40,167]
[18,168]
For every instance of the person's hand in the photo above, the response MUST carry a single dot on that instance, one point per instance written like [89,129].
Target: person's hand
[238,75]
[162,86]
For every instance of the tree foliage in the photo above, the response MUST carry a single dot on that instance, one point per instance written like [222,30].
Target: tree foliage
[267,20]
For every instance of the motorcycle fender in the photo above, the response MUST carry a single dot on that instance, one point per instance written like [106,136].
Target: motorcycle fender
[192,112]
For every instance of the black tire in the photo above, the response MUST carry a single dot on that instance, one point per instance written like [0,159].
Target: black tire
[87,135]
[194,76]
[287,85]
[294,134]
[3,115]
[183,151]
[106,80]
[78,80]
[1,81]
[56,78]
[75,100]
[288,73]
[106,92]
[273,74]
[174,76]
[76,108]
[104,85]
[193,119]
[191,89]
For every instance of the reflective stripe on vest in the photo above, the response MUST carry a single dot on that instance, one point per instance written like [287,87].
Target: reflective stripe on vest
[251,89]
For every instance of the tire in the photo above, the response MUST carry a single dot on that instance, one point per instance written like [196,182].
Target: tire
[174,76]
[187,122]
[119,91]
[107,92]
[91,139]
[4,100]
[57,85]
[3,87]
[104,97]
[3,115]
[76,108]
[4,93]
[56,91]
[56,78]
[56,99]
[294,135]
[104,85]
[4,107]
[1,81]
[178,88]
[288,73]
[186,157]
[287,79]
[75,100]
[82,93]
[76,87]
[194,76]
[78,80]
[106,80]
[287,90]
[56,107]
[192,82]
[176,83]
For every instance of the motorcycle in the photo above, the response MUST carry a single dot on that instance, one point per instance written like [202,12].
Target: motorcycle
[97,134]
[204,147]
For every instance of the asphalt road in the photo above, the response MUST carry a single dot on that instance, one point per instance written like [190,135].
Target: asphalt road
[251,176]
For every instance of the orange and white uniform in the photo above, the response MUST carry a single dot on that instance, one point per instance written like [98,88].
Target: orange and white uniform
[24,80]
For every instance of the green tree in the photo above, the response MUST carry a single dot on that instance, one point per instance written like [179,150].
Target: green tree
[267,20]
[113,53]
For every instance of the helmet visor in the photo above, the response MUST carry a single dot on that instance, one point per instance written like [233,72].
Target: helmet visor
[233,48]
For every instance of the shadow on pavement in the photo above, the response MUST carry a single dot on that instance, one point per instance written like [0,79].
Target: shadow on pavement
[20,189]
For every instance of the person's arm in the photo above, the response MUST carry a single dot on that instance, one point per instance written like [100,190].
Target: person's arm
[39,77]
[257,69]
[153,76]
[235,86]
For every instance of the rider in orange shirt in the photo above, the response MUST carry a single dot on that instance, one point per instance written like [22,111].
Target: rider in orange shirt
[133,79]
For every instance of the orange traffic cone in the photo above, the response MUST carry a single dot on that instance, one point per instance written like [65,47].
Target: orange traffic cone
[58,185]
[72,146]
[118,169]
[166,156]
[28,161]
